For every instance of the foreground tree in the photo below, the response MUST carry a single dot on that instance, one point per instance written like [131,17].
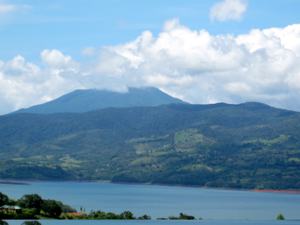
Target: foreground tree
[51,208]
[32,201]
[3,222]
[3,199]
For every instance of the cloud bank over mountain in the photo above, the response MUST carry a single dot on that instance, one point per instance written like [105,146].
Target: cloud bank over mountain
[262,65]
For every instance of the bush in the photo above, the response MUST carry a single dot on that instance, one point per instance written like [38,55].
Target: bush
[3,222]
[31,223]
[280,217]
[6,215]
[24,216]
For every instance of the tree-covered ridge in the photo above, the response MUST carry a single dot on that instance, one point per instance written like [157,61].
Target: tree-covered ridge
[250,145]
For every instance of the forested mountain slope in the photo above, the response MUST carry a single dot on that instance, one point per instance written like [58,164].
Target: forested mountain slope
[249,145]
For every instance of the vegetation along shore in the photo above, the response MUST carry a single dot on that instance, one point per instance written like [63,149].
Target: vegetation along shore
[32,206]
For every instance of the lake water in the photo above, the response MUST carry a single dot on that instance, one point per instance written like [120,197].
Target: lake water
[214,206]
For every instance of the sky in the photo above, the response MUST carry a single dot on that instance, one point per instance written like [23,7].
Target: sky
[203,52]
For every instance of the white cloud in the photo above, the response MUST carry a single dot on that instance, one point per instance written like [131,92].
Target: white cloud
[55,58]
[7,8]
[89,51]
[10,12]
[24,84]
[13,8]
[196,66]
[228,9]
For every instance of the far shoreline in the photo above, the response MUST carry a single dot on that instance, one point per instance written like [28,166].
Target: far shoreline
[22,182]
[216,188]
[13,182]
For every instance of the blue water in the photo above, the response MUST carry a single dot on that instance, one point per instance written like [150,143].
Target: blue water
[165,201]
[167,222]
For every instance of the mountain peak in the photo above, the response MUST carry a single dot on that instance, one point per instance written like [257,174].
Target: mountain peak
[81,100]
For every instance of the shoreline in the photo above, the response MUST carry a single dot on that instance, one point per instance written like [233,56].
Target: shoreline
[13,183]
[228,189]
[257,190]
[21,182]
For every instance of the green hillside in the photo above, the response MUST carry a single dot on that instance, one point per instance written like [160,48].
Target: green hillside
[249,145]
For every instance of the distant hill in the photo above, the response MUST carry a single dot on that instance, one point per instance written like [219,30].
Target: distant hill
[86,100]
[250,145]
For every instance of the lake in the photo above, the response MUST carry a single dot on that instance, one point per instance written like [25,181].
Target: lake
[165,201]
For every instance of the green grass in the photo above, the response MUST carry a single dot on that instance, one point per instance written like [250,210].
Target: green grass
[18,159]
[294,159]
[52,147]
[141,148]
[190,137]
[280,139]
[144,160]
[36,157]
[68,165]
[157,153]
[49,157]
[69,160]
[152,144]
[67,137]
[194,167]
[267,171]
[145,139]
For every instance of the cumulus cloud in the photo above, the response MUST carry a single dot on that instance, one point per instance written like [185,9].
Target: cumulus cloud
[262,65]
[23,84]
[55,59]
[228,9]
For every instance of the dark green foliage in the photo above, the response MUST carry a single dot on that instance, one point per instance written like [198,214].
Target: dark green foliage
[24,215]
[6,215]
[126,215]
[182,217]
[3,222]
[32,201]
[51,208]
[3,199]
[246,146]
[144,217]
[31,223]
[64,208]
[33,205]
[37,172]
[280,217]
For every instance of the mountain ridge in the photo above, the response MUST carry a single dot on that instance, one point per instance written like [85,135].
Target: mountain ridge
[249,145]
[92,99]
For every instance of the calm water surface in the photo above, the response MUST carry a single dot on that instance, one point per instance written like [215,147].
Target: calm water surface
[157,222]
[165,201]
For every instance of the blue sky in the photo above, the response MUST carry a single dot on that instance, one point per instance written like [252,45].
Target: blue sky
[71,25]
[200,51]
